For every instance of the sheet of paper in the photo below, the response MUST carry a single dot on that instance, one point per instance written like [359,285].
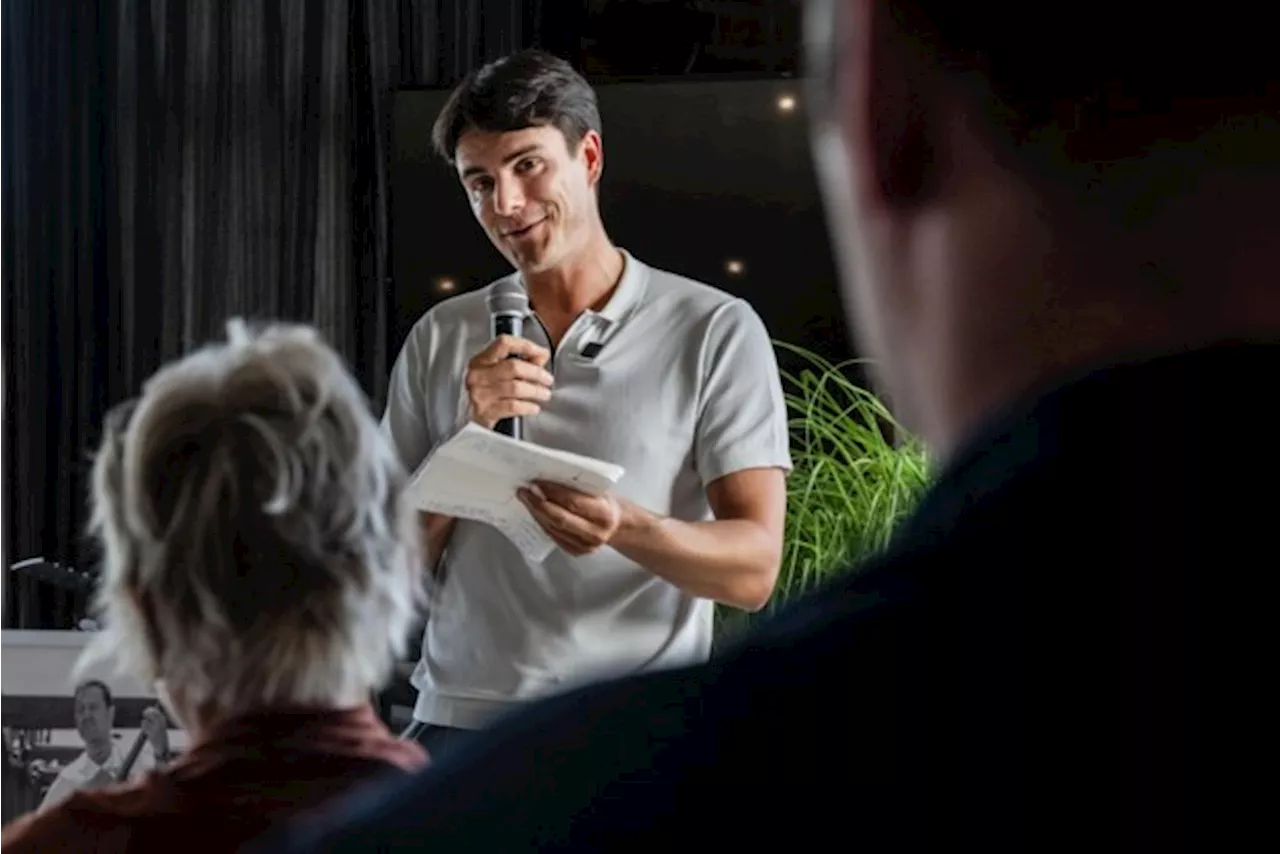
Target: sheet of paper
[475,476]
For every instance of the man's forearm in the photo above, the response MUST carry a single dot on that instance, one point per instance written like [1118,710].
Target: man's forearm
[733,561]
[436,531]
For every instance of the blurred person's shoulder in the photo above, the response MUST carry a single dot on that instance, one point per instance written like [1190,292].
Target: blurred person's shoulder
[96,820]
[220,804]
[148,815]
[227,789]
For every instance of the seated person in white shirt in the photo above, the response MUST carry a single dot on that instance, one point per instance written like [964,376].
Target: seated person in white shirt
[103,761]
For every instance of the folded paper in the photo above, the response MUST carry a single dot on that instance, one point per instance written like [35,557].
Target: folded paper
[475,475]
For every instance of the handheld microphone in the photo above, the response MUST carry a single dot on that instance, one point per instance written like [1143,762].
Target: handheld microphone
[508,305]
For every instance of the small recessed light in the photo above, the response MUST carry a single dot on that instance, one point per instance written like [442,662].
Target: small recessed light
[446,285]
[787,103]
[734,267]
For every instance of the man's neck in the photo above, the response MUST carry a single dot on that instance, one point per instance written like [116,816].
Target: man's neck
[98,752]
[585,282]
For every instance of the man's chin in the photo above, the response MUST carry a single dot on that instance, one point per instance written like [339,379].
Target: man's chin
[533,262]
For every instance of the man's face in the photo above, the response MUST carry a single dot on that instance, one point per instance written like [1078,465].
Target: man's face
[533,196]
[94,718]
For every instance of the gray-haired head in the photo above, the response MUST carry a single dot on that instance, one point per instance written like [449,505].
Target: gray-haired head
[258,547]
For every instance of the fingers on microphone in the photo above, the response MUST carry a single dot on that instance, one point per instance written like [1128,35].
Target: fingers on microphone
[505,346]
[495,352]
[525,390]
[535,353]
[526,371]
[503,377]
[511,407]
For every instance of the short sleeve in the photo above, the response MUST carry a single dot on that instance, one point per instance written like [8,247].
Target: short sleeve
[405,419]
[46,830]
[742,417]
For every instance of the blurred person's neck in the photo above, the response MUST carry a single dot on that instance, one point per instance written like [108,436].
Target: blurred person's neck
[584,281]
[200,722]
[1064,294]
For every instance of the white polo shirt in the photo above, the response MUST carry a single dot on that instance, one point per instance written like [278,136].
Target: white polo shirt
[682,389]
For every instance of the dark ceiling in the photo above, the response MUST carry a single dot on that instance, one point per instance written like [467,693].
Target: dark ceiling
[624,38]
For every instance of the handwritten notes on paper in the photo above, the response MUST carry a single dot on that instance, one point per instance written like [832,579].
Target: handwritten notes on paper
[475,476]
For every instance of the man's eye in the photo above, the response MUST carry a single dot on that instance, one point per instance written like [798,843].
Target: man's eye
[482,186]
[525,165]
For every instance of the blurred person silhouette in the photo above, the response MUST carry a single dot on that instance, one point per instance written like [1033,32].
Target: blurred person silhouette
[1058,234]
[104,762]
[262,570]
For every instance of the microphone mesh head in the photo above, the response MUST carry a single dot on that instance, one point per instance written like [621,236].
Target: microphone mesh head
[508,297]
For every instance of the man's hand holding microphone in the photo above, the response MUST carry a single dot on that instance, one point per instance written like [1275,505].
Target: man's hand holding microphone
[508,381]
[499,386]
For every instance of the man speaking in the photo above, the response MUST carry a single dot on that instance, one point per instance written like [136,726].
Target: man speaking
[672,379]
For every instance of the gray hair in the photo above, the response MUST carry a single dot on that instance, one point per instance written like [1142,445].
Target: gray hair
[259,550]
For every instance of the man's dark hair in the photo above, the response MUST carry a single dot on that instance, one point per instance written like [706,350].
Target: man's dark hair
[531,88]
[101,686]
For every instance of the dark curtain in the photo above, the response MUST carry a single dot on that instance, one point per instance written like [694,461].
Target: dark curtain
[249,145]
[169,164]
[59,316]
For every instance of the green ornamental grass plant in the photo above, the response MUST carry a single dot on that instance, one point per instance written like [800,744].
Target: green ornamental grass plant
[852,484]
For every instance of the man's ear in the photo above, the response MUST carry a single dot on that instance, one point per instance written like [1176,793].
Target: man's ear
[889,89]
[591,149]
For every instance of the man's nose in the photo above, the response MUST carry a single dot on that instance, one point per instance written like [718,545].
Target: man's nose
[508,197]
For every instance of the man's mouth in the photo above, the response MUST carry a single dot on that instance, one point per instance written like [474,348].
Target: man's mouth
[521,232]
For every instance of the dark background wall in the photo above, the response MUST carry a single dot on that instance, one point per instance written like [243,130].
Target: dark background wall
[167,164]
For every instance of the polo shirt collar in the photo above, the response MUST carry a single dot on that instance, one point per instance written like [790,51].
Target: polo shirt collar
[629,291]
[626,296]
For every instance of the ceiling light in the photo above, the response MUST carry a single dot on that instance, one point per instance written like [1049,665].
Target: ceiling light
[734,267]
[445,285]
[786,103]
